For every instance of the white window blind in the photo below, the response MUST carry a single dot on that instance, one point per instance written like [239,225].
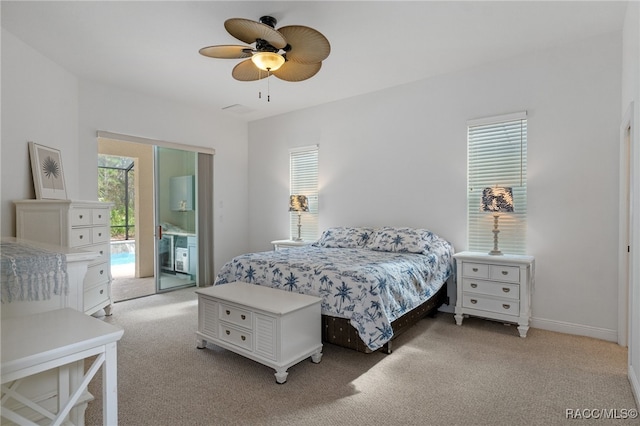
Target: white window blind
[303,175]
[497,156]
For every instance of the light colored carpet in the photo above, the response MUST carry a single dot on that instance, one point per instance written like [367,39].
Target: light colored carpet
[480,373]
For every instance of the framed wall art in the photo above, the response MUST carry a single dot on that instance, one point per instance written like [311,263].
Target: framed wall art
[48,177]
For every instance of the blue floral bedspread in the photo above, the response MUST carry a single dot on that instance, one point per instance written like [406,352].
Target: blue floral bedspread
[370,287]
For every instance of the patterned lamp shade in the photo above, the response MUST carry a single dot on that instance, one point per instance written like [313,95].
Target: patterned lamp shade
[497,199]
[298,203]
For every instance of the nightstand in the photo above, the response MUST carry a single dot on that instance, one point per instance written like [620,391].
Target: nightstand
[280,244]
[495,287]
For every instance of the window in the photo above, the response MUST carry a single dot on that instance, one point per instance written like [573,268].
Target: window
[497,156]
[303,175]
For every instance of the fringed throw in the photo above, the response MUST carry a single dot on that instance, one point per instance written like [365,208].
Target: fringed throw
[29,273]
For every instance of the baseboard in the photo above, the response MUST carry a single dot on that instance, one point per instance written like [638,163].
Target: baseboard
[577,329]
[635,384]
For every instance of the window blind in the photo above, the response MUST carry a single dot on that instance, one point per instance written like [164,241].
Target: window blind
[303,175]
[497,156]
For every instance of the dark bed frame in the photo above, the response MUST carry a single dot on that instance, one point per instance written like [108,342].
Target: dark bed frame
[339,331]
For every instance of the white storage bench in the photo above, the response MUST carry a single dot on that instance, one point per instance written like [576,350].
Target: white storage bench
[274,327]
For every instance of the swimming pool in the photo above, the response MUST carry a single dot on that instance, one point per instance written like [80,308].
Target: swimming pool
[122,258]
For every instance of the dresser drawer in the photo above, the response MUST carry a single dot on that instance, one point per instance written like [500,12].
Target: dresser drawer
[476,270]
[100,234]
[504,273]
[97,274]
[79,237]
[236,336]
[100,217]
[489,304]
[80,217]
[511,291]
[234,315]
[95,295]
[104,251]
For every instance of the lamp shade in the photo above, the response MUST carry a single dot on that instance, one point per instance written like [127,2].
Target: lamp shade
[298,203]
[267,61]
[497,199]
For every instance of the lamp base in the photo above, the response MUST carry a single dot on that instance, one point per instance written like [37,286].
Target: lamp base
[495,251]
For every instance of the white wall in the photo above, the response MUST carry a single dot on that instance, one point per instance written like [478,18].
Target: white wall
[44,103]
[39,104]
[631,93]
[398,157]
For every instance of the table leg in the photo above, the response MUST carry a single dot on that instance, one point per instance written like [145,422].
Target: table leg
[110,386]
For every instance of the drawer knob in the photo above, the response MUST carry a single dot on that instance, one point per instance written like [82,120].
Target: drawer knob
[475,269]
[474,301]
[506,289]
[80,216]
[101,252]
[228,312]
[99,234]
[505,272]
[506,306]
[243,317]
[101,271]
[228,332]
[101,291]
[81,236]
[243,338]
[99,216]
[474,285]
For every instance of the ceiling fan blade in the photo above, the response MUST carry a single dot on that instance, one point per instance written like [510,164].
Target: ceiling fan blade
[226,51]
[249,31]
[308,46]
[247,71]
[294,71]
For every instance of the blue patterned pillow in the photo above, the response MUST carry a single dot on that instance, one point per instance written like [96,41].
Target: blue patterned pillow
[344,237]
[404,240]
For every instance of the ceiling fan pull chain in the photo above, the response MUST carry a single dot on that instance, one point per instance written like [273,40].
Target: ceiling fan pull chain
[268,86]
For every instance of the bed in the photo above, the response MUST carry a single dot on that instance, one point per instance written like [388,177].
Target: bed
[374,283]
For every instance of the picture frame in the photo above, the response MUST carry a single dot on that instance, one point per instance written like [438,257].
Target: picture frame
[48,175]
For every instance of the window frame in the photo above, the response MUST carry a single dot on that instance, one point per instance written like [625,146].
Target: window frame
[497,156]
[303,180]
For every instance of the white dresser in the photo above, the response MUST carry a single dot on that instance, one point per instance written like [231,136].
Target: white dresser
[274,327]
[75,224]
[495,287]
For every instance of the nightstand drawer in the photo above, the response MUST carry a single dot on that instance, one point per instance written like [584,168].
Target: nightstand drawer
[236,336]
[511,291]
[492,305]
[504,273]
[476,270]
[241,317]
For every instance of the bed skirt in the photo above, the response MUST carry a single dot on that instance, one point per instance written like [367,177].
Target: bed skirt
[339,331]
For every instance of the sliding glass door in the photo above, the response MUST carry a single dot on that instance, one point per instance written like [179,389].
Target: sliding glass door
[176,218]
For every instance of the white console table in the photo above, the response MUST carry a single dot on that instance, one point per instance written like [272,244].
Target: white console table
[55,339]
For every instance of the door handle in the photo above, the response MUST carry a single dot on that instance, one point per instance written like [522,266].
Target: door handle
[159,232]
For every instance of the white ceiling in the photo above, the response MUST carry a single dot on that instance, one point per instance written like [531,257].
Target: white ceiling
[152,47]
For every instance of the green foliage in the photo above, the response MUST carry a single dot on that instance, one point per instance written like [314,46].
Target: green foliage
[112,188]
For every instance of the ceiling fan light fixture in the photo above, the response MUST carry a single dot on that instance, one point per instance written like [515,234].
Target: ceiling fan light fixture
[267,61]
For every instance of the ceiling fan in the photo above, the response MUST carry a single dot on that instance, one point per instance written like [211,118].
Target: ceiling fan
[291,53]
